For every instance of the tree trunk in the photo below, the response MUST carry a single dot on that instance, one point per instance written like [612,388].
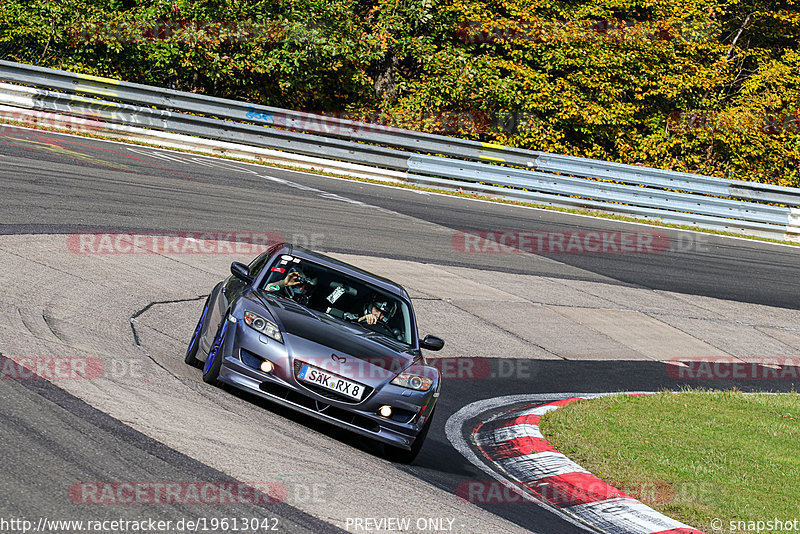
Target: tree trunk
[385,84]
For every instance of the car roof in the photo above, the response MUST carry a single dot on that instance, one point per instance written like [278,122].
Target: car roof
[352,270]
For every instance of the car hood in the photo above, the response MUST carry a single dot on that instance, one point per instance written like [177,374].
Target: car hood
[336,346]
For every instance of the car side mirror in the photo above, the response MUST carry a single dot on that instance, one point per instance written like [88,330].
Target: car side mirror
[431,343]
[240,271]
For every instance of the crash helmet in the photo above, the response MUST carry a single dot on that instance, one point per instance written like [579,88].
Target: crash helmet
[386,306]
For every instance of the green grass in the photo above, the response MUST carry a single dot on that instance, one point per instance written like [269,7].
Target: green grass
[695,455]
[460,193]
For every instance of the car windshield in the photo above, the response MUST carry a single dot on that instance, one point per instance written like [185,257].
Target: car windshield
[338,295]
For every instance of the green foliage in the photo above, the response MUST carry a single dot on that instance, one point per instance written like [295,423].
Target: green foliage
[708,86]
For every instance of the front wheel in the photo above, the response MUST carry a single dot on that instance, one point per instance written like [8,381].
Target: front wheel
[214,360]
[402,456]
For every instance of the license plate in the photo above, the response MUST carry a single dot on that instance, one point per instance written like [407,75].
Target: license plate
[345,387]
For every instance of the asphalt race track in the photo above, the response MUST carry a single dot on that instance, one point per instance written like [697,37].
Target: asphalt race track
[544,323]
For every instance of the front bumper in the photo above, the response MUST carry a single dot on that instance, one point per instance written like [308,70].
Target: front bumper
[282,387]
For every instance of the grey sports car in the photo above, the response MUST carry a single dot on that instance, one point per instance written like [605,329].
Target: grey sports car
[324,338]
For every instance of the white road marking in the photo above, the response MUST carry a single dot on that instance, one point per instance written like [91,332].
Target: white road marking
[510,206]
[625,516]
[159,155]
[538,465]
[207,161]
[524,430]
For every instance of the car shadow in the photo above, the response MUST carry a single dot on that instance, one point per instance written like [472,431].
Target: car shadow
[323,427]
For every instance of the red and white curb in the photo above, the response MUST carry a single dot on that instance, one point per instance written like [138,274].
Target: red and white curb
[529,465]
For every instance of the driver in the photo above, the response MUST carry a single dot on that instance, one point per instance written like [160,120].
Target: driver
[297,286]
[376,315]
[378,311]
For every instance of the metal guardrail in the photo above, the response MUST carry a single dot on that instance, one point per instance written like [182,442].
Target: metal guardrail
[241,111]
[249,134]
[435,160]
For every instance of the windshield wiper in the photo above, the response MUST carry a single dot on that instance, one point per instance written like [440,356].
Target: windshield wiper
[383,338]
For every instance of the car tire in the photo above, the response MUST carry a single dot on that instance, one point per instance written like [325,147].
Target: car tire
[214,361]
[402,456]
[194,344]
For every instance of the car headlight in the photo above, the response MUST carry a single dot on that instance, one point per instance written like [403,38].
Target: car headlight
[259,324]
[407,380]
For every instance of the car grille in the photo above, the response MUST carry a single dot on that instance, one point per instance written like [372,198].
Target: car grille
[251,360]
[328,394]
[299,399]
[402,416]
